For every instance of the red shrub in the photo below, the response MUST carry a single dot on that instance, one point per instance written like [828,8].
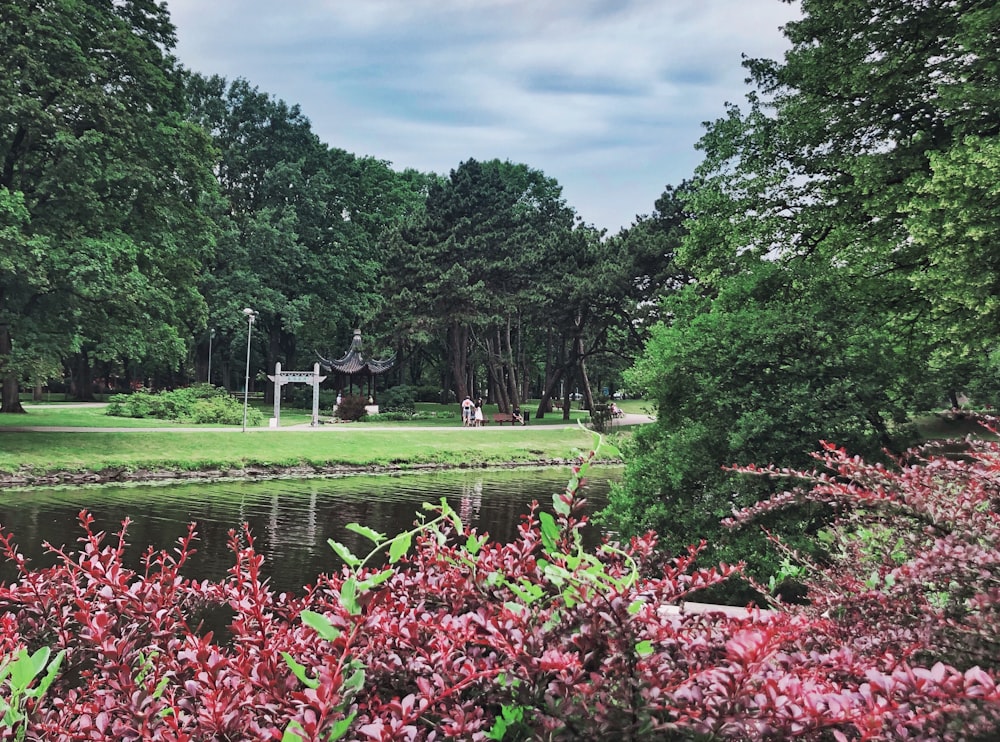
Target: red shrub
[457,637]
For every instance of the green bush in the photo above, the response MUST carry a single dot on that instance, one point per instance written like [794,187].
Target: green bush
[398,399]
[389,417]
[428,393]
[202,404]
[301,397]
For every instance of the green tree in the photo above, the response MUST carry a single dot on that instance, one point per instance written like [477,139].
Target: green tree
[473,262]
[304,222]
[814,246]
[103,186]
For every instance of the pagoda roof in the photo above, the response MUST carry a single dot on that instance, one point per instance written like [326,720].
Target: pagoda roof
[355,361]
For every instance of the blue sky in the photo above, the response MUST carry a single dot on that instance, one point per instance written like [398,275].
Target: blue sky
[606,96]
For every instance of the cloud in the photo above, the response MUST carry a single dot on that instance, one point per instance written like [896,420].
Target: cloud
[606,96]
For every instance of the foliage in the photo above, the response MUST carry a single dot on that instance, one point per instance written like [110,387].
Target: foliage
[301,397]
[352,407]
[438,633]
[18,673]
[301,223]
[754,373]
[103,189]
[398,399]
[916,544]
[840,251]
[201,404]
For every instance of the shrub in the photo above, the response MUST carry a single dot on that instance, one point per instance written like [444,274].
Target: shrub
[439,633]
[301,397]
[398,399]
[202,404]
[351,407]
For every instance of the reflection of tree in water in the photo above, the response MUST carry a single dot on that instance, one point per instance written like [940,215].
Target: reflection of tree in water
[291,520]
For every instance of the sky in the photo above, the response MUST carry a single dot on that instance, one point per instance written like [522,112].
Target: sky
[608,97]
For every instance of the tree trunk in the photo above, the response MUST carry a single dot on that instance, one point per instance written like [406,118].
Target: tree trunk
[510,361]
[84,382]
[10,400]
[588,395]
[458,349]
[545,405]
[497,373]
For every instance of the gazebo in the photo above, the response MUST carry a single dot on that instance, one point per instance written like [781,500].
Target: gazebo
[354,364]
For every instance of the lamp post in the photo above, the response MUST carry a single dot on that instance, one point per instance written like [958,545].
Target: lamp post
[251,315]
[211,334]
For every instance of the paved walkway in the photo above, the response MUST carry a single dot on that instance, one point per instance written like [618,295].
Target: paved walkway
[629,419]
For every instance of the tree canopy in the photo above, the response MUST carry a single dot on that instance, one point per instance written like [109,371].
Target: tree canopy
[839,244]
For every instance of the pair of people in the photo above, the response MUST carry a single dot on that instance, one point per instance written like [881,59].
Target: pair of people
[472,412]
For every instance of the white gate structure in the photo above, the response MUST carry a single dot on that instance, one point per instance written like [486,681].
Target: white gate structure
[281,378]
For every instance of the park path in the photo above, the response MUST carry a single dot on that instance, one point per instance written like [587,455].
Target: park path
[629,419]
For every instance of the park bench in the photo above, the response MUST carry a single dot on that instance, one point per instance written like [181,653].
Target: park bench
[557,404]
[503,417]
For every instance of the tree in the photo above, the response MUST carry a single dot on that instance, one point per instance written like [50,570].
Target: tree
[472,264]
[103,185]
[303,225]
[811,239]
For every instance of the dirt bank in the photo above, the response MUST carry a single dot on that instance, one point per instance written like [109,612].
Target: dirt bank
[27,478]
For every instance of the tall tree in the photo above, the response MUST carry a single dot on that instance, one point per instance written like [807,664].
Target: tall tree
[474,260]
[102,185]
[816,231]
[304,222]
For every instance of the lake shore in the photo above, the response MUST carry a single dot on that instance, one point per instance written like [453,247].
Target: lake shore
[55,478]
[74,445]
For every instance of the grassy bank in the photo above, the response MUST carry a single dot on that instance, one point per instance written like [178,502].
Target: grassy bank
[190,450]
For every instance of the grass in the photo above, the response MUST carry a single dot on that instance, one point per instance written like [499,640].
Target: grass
[397,444]
[447,416]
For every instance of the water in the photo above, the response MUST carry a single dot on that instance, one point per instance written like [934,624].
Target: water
[291,520]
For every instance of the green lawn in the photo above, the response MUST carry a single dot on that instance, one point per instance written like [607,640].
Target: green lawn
[350,444]
[355,446]
[78,416]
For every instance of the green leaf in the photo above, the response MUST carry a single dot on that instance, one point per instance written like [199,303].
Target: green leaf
[375,580]
[292,732]
[550,531]
[399,546]
[300,671]
[561,507]
[644,648]
[348,597]
[25,667]
[344,553]
[472,545]
[340,728]
[635,606]
[320,624]
[369,533]
[356,681]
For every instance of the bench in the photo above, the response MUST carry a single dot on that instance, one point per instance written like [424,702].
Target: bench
[503,417]
[557,404]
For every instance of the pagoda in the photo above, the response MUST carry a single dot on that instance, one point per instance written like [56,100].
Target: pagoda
[355,365]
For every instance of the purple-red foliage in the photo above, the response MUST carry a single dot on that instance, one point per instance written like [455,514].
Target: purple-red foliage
[466,632]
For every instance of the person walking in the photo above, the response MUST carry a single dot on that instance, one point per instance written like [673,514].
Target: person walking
[468,417]
[479,418]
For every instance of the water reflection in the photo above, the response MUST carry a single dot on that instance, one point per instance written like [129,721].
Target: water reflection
[291,520]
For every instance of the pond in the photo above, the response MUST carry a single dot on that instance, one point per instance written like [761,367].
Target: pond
[290,519]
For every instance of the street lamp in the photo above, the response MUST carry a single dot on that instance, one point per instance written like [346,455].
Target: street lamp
[251,315]
[211,334]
